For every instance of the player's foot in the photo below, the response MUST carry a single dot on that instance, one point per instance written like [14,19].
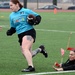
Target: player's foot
[43,51]
[29,69]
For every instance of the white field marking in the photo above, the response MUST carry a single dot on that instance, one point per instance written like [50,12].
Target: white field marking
[55,30]
[57,72]
[6,26]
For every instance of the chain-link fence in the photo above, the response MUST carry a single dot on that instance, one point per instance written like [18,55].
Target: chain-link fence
[43,1]
[33,4]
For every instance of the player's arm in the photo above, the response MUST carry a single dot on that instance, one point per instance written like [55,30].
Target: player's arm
[37,20]
[71,67]
[10,31]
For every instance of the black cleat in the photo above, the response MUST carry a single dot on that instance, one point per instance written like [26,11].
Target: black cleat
[29,69]
[43,51]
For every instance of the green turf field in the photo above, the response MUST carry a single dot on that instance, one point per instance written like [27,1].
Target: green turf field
[53,32]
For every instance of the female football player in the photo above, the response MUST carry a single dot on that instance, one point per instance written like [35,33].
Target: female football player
[23,25]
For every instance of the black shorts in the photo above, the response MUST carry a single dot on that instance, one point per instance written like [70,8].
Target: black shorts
[31,32]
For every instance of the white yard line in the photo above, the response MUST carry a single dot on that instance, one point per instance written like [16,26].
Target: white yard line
[6,26]
[42,73]
[55,30]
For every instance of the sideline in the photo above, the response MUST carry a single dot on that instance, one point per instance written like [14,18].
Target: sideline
[6,26]
[55,30]
[57,72]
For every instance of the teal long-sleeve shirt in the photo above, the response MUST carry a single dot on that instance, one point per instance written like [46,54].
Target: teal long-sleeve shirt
[18,20]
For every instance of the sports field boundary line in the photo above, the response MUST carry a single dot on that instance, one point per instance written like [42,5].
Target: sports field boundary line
[57,72]
[43,29]
[55,30]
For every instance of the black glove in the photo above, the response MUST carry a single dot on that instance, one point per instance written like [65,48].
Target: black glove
[10,31]
[38,20]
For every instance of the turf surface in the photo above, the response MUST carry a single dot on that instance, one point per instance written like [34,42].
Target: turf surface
[53,32]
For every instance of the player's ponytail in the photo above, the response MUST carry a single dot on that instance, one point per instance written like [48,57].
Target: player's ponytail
[17,1]
[20,5]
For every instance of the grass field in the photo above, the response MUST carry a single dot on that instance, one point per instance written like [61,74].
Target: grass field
[53,32]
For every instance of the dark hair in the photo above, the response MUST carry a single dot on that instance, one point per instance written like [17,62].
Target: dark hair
[17,1]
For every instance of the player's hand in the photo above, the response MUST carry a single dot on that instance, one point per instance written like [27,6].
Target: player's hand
[8,33]
[57,64]
[57,69]
[31,19]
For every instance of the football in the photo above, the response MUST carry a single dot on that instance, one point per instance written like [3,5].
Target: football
[31,17]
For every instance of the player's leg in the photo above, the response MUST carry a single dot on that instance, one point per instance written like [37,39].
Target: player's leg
[27,43]
[40,49]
